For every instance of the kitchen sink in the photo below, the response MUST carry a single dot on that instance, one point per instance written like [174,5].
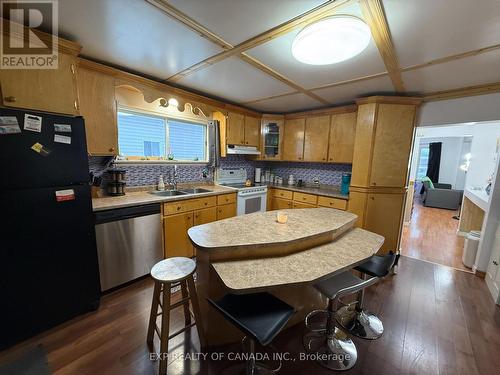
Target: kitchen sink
[196,191]
[169,193]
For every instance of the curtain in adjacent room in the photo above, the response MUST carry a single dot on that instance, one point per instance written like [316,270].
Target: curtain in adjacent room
[434,161]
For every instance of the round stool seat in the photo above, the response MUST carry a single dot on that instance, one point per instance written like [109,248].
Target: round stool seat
[173,269]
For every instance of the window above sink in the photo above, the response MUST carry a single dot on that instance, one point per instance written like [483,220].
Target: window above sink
[150,138]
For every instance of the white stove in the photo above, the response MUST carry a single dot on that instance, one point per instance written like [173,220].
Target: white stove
[250,198]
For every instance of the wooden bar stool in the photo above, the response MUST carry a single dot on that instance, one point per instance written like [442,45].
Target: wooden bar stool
[167,274]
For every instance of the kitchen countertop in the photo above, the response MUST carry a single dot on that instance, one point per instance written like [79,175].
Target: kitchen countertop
[325,190]
[347,251]
[138,198]
[302,223]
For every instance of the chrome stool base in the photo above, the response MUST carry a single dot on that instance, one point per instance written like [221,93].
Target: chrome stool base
[336,352]
[242,369]
[362,323]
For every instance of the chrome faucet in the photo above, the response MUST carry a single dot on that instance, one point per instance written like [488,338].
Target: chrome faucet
[174,178]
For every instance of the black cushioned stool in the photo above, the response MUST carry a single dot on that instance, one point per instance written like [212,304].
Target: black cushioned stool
[354,318]
[333,348]
[261,316]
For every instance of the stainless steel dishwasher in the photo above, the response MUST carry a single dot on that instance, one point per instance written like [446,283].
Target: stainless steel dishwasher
[129,243]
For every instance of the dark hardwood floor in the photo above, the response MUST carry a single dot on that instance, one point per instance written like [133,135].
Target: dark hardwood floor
[437,321]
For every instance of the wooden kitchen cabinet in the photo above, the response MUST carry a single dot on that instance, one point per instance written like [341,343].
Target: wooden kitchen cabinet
[226,211]
[252,131]
[235,129]
[305,198]
[272,137]
[96,92]
[302,205]
[293,140]
[384,216]
[392,146]
[226,199]
[342,133]
[280,203]
[316,135]
[205,216]
[50,90]
[176,240]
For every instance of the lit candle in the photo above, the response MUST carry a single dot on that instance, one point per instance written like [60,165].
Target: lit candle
[282,217]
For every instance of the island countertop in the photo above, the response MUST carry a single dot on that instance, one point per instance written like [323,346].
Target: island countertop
[347,251]
[261,230]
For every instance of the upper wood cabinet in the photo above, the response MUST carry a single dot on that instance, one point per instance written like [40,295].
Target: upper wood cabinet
[51,90]
[242,130]
[96,92]
[342,132]
[235,128]
[272,136]
[384,132]
[317,129]
[392,146]
[293,140]
[252,131]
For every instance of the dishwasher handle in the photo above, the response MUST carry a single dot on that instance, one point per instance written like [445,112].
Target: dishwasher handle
[117,214]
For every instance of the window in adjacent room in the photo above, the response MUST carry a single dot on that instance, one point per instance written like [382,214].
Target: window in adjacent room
[423,161]
[146,137]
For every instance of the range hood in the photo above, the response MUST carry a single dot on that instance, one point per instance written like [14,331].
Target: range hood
[242,150]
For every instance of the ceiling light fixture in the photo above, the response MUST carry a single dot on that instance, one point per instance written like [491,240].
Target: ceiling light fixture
[331,40]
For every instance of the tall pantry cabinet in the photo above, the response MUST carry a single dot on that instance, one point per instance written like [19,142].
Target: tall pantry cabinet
[382,147]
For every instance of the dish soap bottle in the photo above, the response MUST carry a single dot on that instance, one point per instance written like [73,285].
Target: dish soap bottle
[161,183]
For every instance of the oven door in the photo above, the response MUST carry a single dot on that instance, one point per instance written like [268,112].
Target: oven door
[251,202]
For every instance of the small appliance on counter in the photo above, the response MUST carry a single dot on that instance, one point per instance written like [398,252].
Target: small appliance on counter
[116,186]
[346,181]
[258,174]
[291,180]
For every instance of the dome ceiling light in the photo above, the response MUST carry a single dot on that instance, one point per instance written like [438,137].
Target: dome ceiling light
[331,40]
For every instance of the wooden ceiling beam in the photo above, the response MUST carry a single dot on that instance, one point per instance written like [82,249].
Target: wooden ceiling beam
[312,15]
[214,38]
[457,56]
[373,14]
[488,88]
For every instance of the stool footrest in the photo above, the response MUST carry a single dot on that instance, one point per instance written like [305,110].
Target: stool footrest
[181,330]
[180,303]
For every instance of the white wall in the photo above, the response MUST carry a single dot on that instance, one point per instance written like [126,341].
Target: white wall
[483,151]
[455,111]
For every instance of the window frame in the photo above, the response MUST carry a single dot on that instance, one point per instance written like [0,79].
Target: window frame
[165,118]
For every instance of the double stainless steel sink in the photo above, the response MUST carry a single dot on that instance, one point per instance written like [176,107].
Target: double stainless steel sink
[173,193]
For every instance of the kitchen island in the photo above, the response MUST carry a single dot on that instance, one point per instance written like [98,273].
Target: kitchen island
[254,252]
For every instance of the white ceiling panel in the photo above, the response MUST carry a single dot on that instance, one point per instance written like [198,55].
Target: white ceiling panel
[289,103]
[239,20]
[278,55]
[235,80]
[470,71]
[132,34]
[423,30]
[348,92]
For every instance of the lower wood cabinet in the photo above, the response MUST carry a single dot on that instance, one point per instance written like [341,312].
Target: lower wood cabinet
[226,211]
[179,216]
[381,213]
[302,205]
[281,199]
[205,216]
[175,237]
[280,203]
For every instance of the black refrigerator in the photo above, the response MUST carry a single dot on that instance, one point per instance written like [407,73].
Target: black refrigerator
[48,258]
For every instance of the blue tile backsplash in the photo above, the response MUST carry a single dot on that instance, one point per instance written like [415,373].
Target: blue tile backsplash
[142,175]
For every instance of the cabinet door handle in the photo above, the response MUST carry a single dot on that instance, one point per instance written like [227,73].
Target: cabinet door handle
[372,198]
[374,183]
[323,159]
[303,198]
[111,149]
[178,208]
[10,99]
[206,203]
